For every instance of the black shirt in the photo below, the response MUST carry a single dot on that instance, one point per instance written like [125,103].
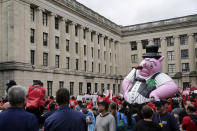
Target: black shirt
[146,126]
[168,121]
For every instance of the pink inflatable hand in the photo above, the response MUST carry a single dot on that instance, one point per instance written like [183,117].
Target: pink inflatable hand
[164,91]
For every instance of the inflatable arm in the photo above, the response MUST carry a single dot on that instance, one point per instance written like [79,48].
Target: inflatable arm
[164,91]
[127,82]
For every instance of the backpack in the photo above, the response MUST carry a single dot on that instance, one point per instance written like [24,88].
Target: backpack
[33,100]
[121,126]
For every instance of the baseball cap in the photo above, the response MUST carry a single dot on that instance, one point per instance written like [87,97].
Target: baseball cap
[11,83]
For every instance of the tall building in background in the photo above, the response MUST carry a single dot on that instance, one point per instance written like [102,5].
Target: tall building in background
[65,44]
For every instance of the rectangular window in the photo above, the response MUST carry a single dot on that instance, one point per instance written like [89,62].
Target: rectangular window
[61,84]
[84,34]
[134,58]
[67,45]
[76,48]
[171,55]
[157,41]
[77,64]
[99,68]
[92,66]
[85,66]
[110,56]
[32,35]
[32,13]
[102,87]
[171,68]
[57,42]
[45,59]
[105,68]
[84,50]
[185,67]
[45,39]
[96,87]
[44,19]
[183,39]
[56,23]
[57,61]
[98,38]
[114,88]
[195,37]
[98,53]
[67,27]
[170,41]
[104,55]
[71,88]
[32,57]
[49,87]
[92,50]
[67,62]
[80,88]
[144,44]
[104,41]
[108,86]
[76,30]
[118,88]
[196,52]
[184,54]
[133,45]
[92,35]
[186,85]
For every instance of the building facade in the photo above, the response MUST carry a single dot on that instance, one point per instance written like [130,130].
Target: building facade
[65,44]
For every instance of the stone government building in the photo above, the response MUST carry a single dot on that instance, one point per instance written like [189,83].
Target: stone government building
[65,44]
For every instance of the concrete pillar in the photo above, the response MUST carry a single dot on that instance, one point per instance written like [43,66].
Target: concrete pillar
[88,50]
[51,43]
[191,52]
[139,50]
[81,48]
[39,38]
[177,53]
[95,59]
[108,55]
[62,43]
[72,46]
[164,53]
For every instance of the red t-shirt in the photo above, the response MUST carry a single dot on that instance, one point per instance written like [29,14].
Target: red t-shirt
[188,124]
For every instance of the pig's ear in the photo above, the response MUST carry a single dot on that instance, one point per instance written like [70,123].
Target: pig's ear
[161,58]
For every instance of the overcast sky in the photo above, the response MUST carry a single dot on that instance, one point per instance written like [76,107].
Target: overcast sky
[129,12]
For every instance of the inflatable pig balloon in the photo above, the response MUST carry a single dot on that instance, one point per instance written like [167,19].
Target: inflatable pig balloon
[146,80]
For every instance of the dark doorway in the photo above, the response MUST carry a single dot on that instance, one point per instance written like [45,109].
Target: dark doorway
[88,88]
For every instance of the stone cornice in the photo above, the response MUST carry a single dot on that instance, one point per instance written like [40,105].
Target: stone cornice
[19,66]
[160,25]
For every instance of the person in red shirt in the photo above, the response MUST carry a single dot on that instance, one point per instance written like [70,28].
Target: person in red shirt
[189,122]
[73,102]
[36,99]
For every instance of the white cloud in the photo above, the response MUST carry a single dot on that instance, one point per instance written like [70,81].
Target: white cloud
[128,12]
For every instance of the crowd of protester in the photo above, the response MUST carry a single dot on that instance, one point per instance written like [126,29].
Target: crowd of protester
[30,110]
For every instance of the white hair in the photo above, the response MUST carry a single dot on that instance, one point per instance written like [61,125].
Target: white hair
[17,95]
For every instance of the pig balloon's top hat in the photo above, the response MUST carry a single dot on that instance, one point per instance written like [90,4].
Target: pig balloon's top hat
[152,52]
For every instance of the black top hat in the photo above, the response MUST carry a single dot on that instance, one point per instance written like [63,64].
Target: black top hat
[152,52]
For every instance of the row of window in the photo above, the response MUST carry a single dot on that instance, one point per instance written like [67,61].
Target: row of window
[45,43]
[57,62]
[67,27]
[170,55]
[169,40]
[172,67]
[80,87]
